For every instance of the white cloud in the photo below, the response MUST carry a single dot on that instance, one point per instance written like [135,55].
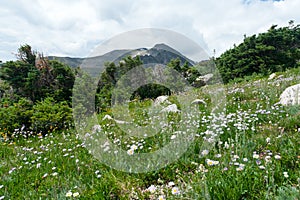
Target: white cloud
[74,28]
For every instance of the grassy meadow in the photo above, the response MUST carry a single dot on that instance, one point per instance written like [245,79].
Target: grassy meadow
[254,153]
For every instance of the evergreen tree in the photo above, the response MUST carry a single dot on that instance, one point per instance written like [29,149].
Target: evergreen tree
[265,53]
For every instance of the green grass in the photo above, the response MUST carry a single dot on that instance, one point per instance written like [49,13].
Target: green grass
[254,154]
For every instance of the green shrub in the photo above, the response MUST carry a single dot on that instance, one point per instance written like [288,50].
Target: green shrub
[49,115]
[15,116]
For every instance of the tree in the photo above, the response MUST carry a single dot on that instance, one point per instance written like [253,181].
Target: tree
[265,53]
[110,77]
[26,55]
[35,77]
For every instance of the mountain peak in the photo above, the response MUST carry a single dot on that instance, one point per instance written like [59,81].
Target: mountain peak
[163,46]
[159,53]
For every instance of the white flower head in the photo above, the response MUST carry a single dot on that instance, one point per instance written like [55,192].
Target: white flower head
[54,174]
[161,197]
[69,194]
[75,194]
[226,145]
[212,162]
[239,168]
[175,190]
[256,156]
[261,167]
[130,152]
[133,147]
[171,183]
[151,189]
[277,157]
[218,155]
[45,175]
[204,152]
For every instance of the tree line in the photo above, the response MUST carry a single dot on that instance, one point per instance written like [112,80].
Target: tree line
[36,93]
[265,53]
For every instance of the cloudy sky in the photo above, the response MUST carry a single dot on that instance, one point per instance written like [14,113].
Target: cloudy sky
[75,27]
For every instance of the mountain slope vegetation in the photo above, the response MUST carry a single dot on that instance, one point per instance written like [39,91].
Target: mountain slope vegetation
[276,50]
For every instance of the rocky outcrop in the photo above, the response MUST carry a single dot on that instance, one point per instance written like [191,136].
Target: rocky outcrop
[290,96]
[160,99]
[202,80]
[171,108]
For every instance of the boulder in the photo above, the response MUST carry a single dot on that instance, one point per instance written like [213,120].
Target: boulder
[202,80]
[199,101]
[171,108]
[107,117]
[161,99]
[290,96]
[272,76]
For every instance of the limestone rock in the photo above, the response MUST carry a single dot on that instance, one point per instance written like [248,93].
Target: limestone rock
[107,117]
[171,108]
[199,101]
[161,99]
[291,95]
[202,80]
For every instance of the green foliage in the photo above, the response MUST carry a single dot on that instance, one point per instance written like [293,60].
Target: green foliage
[35,93]
[19,75]
[34,77]
[26,54]
[49,115]
[188,72]
[257,154]
[4,89]
[110,77]
[113,73]
[291,121]
[150,91]
[16,115]
[63,81]
[275,50]
[288,192]
[43,116]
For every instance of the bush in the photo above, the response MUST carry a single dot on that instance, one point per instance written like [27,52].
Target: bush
[42,117]
[49,116]
[15,116]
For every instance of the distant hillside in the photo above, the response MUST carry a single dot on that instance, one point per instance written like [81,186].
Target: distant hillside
[95,61]
[160,53]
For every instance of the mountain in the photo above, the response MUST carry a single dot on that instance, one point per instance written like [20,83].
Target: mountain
[160,53]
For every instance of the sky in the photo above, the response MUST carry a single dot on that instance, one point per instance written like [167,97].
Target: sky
[75,28]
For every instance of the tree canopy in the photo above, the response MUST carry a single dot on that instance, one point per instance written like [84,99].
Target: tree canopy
[35,77]
[265,53]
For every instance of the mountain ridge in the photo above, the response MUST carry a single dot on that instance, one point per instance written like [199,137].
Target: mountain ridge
[159,53]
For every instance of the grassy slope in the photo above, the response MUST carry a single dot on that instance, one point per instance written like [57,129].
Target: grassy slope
[258,143]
